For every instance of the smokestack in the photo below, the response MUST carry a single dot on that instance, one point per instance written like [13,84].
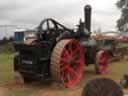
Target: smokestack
[87,17]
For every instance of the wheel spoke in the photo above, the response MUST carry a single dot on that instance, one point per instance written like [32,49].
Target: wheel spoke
[62,74]
[76,67]
[76,57]
[64,78]
[65,60]
[70,50]
[75,51]
[62,64]
[68,77]
[65,67]
[71,53]
[67,54]
[74,72]
[103,60]
[77,61]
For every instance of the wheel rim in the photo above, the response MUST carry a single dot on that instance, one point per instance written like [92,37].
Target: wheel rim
[103,62]
[71,64]
[67,62]
[18,78]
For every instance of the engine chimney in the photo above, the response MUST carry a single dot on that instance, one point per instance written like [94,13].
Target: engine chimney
[87,17]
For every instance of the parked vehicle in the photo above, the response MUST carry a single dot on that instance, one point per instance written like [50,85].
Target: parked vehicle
[59,53]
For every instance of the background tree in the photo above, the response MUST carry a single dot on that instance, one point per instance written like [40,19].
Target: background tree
[5,39]
[11,38]
[122,23]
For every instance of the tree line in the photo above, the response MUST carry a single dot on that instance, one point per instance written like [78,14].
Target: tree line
[122,23]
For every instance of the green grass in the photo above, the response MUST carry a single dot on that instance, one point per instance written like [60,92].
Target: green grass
[7,76]
[7,48]
[123,45]
[117,70]
[23,92]
[19,93]
[6,68]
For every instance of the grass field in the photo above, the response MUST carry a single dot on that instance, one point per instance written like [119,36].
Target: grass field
[7,77]
[116,72]
[6,68]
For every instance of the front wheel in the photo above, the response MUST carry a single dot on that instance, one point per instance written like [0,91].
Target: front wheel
[20,79]
[102,60]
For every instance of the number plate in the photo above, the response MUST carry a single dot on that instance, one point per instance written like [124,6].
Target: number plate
[27,62]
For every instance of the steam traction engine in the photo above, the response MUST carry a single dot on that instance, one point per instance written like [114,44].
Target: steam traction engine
[59,53]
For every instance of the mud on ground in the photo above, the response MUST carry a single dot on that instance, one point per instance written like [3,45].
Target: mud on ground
[116,71]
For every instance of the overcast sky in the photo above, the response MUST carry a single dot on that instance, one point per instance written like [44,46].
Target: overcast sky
[29,13]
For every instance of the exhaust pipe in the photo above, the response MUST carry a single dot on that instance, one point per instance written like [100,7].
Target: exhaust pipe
[87,17]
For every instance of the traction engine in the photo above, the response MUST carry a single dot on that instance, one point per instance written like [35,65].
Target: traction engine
[59,53]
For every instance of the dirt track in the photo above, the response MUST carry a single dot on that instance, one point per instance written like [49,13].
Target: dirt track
[3,91]
[53,89]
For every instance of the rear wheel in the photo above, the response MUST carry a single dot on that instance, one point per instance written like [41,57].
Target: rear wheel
[67,62]
[102,60]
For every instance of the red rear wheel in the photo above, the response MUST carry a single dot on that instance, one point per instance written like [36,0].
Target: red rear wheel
[67,62]
[102,60]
